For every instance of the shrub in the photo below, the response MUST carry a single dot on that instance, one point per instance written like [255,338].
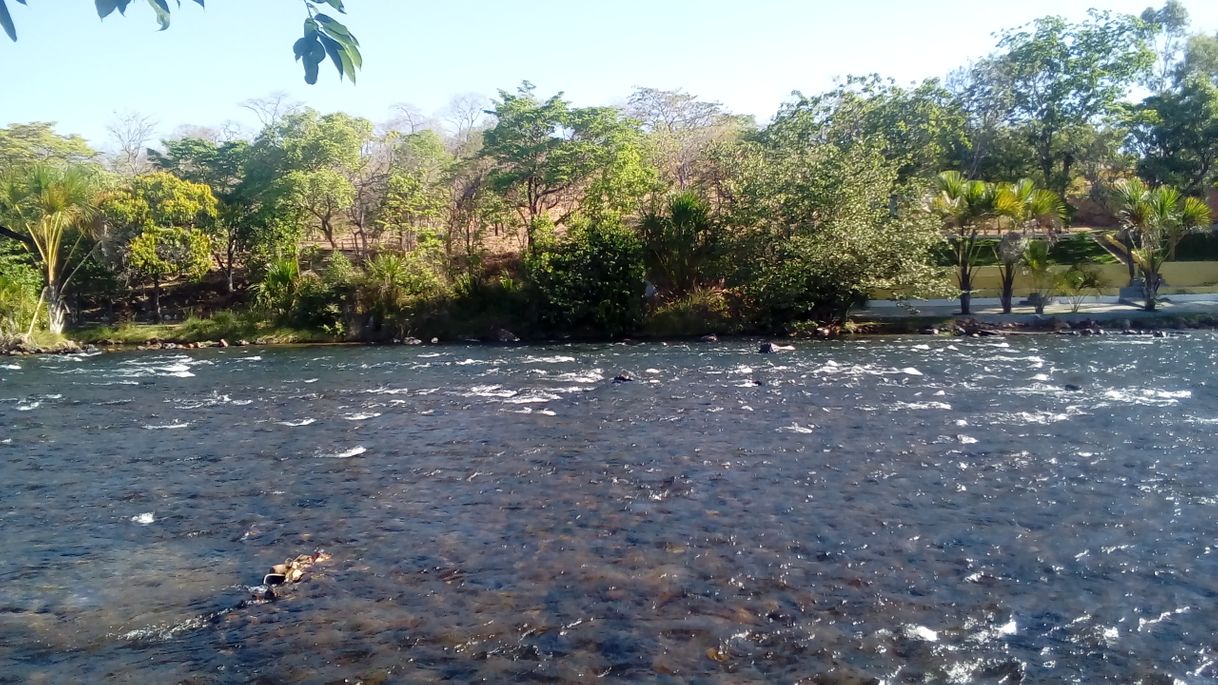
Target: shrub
[701,311]
[398,292]
[592,281]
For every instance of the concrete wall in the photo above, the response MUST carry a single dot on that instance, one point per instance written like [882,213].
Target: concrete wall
[1178,276]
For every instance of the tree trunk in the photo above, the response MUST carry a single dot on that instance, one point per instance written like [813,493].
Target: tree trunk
[1127,241]
[156,301]
[57,312]
[1008,287]
[1150,290]
[966,287]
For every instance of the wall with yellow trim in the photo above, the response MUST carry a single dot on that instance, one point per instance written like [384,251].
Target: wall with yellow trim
[1179,277]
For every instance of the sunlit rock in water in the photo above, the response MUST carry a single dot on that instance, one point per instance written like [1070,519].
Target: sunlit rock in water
[1032,509]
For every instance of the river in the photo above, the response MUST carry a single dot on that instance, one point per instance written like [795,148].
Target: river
[887,510]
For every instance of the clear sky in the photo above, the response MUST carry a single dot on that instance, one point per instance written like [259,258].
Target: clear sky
[71,68]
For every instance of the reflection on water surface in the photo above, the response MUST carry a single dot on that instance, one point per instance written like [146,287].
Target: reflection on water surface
[886,510]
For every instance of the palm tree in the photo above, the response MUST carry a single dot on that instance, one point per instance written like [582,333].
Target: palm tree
[50,211]
[1028,208]
[1036,262]
[1154,221]
[966,208]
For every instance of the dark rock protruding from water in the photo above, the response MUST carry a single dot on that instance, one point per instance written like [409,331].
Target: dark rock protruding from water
[712,338]
[503,335]
[622,378]
[766,348]
[1072,387]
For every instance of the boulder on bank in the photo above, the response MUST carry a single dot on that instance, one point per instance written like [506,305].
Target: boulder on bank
[503,335]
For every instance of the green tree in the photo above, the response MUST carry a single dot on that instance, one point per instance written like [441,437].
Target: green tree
[50,211]
[323,35]
[419,189]
[221,167]
[38,143]
[1156,219]
[1039,265]
[682,242]
[921,128]
[161,253]
[1063,76]
[1027,211]
[1200,59]
[1169,27]
[967,209]
[1176,136]
[815,228]
[547,153]
[160,221]
[300,172]
[592,281]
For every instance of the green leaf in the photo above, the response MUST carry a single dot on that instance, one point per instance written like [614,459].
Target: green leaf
[162,12]
[105,7]
[310,68]
[7,21]
[334,27]
[301,47]
[336,4]
[335,51]
[349,46]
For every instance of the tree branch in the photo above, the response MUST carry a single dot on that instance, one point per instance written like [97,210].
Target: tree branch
[13,235]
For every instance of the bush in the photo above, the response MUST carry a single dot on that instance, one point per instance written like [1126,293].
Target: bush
[804,281]
[591,282]
[702,311]
[397,293]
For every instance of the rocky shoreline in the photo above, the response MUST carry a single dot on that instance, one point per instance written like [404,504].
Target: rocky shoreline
[1158,326]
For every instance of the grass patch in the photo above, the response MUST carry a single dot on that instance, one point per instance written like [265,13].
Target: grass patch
[229,326]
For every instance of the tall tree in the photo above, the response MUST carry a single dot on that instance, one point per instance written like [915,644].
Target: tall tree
[1064,76]
[50,211]
[161,221]
[967,208]
[221,167]
[1157,219]
[38,143]
[1169,27]
[546,153]
[1200,59]
[1176,136]
[680,129]
[921,129]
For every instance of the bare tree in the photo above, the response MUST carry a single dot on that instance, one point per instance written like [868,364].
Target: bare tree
[682,128]
[466,118]
[131,133]
[407,118]
[272,108]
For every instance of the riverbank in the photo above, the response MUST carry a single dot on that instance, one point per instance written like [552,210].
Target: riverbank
[879,318]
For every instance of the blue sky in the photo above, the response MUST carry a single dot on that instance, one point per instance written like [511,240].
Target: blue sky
[71,68]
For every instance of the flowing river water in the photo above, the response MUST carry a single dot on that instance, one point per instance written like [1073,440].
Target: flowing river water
[888,510]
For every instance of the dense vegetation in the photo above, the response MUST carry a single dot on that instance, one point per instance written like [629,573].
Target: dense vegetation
[669,216]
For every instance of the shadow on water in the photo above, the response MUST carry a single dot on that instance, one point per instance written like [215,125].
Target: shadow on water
[887,510]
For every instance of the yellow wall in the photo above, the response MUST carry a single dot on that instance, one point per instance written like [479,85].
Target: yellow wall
[1178,277]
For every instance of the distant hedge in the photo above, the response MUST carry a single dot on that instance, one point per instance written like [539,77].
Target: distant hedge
[1077,248]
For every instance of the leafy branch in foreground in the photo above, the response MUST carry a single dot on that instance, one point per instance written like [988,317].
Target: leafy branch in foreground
[323,35]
